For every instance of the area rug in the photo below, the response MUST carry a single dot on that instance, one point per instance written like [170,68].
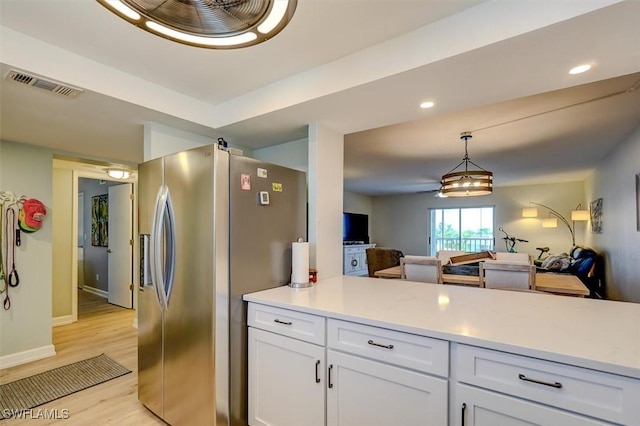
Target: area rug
[45,387]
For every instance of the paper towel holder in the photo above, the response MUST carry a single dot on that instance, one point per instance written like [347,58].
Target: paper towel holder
[308,282]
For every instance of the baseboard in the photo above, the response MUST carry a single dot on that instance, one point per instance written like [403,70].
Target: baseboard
[27,356]
[63,320]
[96,291]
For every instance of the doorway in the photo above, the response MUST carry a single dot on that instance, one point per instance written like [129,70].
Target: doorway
[71,239]
[105,239]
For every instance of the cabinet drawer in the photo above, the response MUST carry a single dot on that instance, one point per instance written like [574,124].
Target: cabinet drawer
[594,393]
[480,407]
[307,327]
[394,347]
[354,250]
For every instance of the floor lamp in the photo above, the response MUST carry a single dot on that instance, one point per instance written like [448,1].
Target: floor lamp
[552,222]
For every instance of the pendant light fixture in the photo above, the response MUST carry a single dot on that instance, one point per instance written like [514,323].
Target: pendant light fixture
[466,183]
[214,24]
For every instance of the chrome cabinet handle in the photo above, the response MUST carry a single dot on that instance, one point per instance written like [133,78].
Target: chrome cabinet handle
[317,373]
[371,342]
[282,322]
[464,408]
[556,385]
[329,384]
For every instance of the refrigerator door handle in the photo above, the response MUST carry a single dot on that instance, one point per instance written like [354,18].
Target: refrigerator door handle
[164,247]
[157,246]
[169,223]
[153,252]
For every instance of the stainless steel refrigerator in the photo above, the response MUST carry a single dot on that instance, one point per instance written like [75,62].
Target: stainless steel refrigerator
[213,227]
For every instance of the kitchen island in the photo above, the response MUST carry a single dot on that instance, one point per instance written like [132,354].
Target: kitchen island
[521,355]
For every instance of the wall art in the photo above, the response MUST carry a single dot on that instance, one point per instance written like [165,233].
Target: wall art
[100,220]
[596,216]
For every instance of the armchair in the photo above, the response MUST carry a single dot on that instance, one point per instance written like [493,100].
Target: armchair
[382,258]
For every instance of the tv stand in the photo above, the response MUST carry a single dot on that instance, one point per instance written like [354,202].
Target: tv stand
[355,259]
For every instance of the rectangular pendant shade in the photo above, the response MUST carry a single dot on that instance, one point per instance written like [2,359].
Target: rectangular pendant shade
[580,215]
[530,212]
[550,223]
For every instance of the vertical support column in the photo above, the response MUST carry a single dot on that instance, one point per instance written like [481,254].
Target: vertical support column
[325,177]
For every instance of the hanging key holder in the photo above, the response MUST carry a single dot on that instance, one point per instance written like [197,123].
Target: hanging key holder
[13,279]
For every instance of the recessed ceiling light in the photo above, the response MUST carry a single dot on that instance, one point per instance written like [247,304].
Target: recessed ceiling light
[427,104]
[580,69]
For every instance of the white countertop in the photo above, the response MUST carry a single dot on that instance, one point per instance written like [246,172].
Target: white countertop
[597,334]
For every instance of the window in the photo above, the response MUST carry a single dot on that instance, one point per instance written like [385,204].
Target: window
[464,229]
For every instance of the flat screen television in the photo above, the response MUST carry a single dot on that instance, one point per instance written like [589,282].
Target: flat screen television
[355,228]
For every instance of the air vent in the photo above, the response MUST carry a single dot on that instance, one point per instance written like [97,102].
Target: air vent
[44,84]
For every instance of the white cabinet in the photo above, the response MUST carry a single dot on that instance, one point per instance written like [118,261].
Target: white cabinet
[478,407]
[286,381]
[355,259]
[571,395]
[366,392]
[379,377]
[305,369]
[286,365]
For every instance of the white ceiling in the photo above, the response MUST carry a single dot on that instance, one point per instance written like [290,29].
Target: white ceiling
[360,67]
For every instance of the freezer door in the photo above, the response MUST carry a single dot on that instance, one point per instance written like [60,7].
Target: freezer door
[150,327]
[260,250]
[189,374]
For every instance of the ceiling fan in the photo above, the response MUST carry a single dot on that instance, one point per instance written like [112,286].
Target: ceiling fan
[432,187]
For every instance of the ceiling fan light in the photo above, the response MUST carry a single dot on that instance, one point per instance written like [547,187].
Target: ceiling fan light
[278,10]
[123,9]
[219,24]
[199,40]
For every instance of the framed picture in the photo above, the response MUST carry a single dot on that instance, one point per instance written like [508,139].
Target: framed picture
[638,202]
[100,220]
[596,216]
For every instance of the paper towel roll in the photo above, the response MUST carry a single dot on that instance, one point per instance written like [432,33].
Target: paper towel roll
[300,264]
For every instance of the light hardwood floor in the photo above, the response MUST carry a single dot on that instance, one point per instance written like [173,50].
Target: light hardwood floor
[101,328]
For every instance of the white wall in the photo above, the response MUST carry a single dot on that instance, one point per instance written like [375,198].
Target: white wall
[401,221]
[25,329]
[619,242]
[326,159]
[160,140]
[294,155]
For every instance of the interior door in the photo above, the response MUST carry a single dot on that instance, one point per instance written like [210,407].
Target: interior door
[120,249]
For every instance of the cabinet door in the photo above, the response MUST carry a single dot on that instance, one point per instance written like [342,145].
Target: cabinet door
[286,381]
[478,407]
[350,263]
[362,264]
[363,392]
